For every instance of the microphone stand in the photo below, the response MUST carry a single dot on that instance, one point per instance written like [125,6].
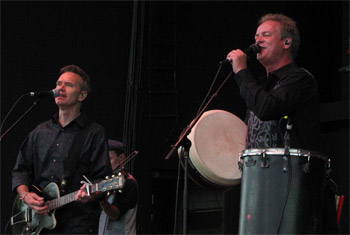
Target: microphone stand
[182,141]
[189,127]
[20,118]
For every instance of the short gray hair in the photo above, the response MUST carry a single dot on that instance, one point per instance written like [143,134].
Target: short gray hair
[79,71]
[289,29]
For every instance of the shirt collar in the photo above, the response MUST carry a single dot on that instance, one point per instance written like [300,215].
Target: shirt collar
[283,70]
[81,120]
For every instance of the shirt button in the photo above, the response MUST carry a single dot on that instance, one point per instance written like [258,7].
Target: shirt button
[54,160]
[57,145]
[51,176]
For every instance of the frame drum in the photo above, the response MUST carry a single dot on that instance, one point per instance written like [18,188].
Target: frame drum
[216,141]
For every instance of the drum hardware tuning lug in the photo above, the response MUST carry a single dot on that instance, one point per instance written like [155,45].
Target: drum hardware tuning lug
[265,162]
[285,164]
[306,168]
[240,162]
[250,162]
[240,166]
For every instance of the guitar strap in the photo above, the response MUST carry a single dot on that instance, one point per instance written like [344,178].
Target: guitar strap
[73,155]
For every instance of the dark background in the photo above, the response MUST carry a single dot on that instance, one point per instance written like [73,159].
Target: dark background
[170,67]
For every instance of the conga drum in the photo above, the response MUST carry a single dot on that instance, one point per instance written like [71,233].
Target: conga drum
[216,141]
[281,193]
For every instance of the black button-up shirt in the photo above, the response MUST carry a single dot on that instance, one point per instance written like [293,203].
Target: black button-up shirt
[43,157]
[289,91]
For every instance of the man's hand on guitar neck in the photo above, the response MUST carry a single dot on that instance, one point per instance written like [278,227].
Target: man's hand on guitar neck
[34,201]
[82,195]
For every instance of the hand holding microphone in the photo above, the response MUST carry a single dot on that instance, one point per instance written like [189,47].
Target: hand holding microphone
[238,57]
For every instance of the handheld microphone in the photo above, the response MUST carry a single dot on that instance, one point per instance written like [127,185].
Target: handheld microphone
[252,50]
[54,93]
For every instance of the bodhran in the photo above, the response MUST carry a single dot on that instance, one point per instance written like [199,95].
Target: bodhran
[216,141]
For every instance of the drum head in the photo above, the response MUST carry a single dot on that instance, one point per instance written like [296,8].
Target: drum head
[217,139]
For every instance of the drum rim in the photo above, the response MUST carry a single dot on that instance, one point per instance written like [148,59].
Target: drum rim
[295,152]
[201,167]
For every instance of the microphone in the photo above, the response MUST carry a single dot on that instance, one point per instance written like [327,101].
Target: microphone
[289,124]
[250,51]
[289,127]
[54,93]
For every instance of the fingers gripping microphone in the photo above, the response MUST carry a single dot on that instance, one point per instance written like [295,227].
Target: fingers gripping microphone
[54,93]
[252,50]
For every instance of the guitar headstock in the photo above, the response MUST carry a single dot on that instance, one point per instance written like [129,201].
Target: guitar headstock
[115,182]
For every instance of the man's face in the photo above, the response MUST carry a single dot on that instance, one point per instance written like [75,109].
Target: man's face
[268,36]
[69,86]
[115,158]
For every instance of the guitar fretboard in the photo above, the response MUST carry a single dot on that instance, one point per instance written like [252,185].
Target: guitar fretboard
[61,201]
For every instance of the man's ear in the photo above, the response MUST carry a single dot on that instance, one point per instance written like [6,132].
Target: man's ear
[287,43]
[83,95]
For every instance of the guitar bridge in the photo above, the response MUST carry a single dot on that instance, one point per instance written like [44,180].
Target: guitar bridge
[23,216]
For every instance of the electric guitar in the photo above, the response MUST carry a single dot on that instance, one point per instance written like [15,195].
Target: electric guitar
[27,221]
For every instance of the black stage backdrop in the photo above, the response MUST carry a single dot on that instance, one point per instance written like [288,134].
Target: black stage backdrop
[182,43]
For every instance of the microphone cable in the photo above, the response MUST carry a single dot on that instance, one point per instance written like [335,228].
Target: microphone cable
[182,148]
[8,114]
[287,193]
[210,89]
[177,188]
[289,182]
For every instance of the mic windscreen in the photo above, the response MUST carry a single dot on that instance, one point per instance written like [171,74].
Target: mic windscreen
[55,93]
[252,50]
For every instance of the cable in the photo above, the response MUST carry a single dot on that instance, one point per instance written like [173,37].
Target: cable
[210,89]
[286,154]
[287,193]
[6,226]
[8,114]
[217,202]
[177,190]
[279,124]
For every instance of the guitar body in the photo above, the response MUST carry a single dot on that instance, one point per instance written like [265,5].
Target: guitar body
[26,221]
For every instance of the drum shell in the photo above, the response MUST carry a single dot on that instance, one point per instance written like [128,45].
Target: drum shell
[203,181]
[264,189]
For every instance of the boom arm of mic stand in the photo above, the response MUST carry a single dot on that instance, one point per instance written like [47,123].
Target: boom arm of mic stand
[189,127]
[20,118]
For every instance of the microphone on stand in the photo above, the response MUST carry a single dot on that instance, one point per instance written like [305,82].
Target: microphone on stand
[54,93]
[252,50]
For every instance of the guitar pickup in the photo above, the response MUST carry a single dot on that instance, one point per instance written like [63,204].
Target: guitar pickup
[23,216]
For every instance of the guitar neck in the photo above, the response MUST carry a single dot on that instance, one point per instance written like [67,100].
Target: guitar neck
[68,198]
